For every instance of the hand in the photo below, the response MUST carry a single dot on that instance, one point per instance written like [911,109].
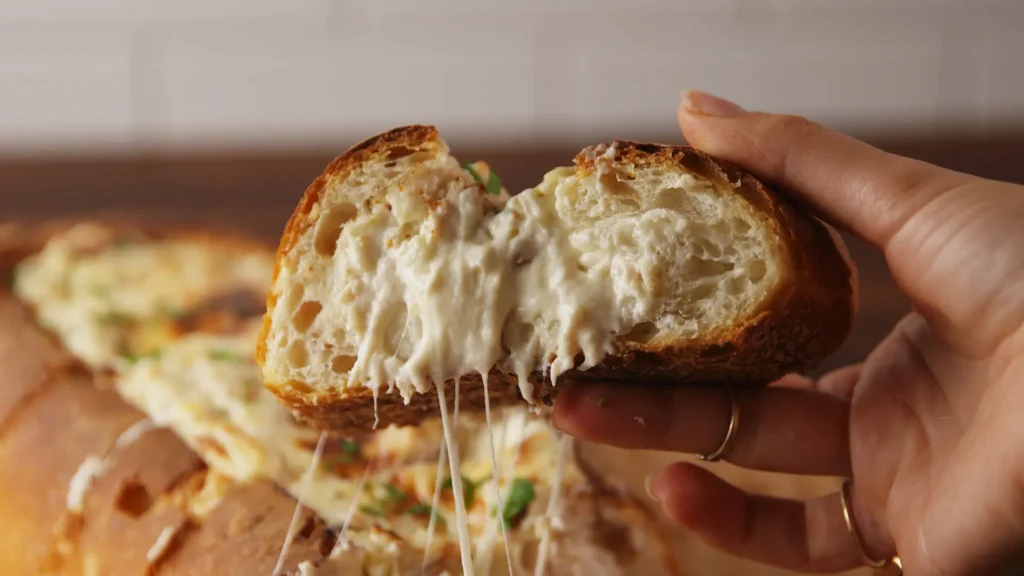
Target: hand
[930,426]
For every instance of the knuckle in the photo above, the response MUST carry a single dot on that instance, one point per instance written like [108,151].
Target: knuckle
[792,127]
[781,135]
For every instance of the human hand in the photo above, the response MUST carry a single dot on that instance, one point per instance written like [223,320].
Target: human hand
[930,426]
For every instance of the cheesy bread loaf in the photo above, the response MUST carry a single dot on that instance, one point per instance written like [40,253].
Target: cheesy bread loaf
[136,438]
[402,273]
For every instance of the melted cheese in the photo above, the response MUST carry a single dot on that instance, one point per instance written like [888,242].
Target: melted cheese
[432,286]
[162,544]
[94,466]
[299,498]
[89,297]
[89,469]
[553,512]
[458,490]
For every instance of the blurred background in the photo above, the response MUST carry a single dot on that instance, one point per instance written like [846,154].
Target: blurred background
[222,111]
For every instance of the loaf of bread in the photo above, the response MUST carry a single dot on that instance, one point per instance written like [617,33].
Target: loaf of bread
[402,272]
[152,509]
[135,437]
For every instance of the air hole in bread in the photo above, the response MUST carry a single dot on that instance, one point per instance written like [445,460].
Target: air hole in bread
[305,315]
[708,249]
[294,297]
[672,199]
[705,268]
[133,499]
[702,292]
[329,227]
[756,270]
[298,356]
[396,152]
[642,333]
[342,364]
[624,194]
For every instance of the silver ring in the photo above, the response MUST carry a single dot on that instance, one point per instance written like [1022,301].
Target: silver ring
[730,433]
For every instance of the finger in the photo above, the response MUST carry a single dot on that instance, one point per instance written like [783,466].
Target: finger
[782,430]
[807,536]
[839,383]
[856,186]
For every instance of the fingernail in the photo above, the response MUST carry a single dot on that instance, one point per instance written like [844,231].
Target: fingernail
[649,485]
[707,105]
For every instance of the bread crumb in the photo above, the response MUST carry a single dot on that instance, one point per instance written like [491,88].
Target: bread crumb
[639,420]
[599,401]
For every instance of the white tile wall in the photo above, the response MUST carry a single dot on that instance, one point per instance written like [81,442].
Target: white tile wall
[101,75]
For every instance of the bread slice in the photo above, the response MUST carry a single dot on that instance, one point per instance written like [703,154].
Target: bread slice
[401,270]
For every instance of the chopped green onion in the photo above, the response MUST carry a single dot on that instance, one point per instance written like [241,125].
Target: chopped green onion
[493,184]
[394,493]
[371,510]
[469,488]
[427,510]
[349,446]
[421,510]
[519,496]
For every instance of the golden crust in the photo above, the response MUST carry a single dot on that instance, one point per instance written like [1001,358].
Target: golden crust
[807,318]
[36,468]
[53,417]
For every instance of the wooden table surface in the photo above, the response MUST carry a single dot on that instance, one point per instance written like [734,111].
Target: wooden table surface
[256,193]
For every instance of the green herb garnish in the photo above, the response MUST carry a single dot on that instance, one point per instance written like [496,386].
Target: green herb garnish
[493,183]
[469,488]
[394,494]
[114,317]
[349,446]
[519,496]
[426,510]
[226,356]
[371,510]
[421,510]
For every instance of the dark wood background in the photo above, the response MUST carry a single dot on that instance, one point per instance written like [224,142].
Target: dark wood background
[257,192]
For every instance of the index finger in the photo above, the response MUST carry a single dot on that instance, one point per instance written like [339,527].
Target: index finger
[779,429]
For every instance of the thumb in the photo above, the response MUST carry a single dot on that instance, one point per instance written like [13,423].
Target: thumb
[853,185]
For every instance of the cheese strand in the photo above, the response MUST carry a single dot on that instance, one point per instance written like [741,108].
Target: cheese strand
[434,503]
[294,526]
[553,502]
[455,467]
[495,475]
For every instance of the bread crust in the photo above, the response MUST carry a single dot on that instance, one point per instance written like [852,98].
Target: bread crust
[805,320]
[54,415]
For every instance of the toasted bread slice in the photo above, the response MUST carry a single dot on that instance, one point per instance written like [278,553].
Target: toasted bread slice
[401,270]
